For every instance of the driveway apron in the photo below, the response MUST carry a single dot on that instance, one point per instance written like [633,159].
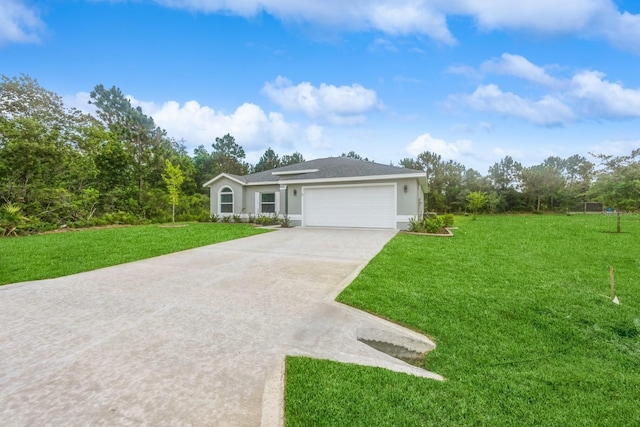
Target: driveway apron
[195,338]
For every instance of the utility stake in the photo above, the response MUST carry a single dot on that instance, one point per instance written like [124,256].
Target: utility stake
[611,283]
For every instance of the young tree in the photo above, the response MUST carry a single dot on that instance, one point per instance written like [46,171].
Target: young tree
[618,185]
[174,178]
[476,201]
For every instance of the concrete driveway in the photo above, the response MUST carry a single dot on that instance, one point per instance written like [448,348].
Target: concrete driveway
[195,338]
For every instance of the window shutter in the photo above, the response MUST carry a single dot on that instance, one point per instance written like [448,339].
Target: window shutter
[277,194]
[257,203]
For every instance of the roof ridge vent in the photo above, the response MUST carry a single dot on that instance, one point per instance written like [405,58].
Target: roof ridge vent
[294,172]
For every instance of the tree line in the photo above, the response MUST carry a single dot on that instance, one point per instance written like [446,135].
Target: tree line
[556,184]
[62,167]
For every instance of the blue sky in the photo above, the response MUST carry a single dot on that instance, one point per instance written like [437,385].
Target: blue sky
[473,81]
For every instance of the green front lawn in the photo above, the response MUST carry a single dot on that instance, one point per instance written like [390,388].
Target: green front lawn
[46,256]
[526,332]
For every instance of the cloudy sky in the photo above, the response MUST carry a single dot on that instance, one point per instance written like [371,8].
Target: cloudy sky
[471,80]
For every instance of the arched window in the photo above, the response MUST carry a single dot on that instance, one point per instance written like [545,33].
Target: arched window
[226,200]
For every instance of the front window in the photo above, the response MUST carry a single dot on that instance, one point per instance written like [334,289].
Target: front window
[268,202]
[226,200]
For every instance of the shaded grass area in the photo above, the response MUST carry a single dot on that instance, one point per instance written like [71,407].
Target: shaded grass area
[47,256]
[526,332]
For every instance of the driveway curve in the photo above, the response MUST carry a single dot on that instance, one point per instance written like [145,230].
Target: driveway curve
[195,338]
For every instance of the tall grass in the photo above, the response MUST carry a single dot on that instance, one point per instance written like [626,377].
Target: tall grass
[525,329]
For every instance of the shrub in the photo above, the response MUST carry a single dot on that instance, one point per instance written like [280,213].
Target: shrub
[11,219]
[285,222]
[225,218]
[430,224]
[416,225]
[267,220]
[434,224]
[35,225]
[236,218]
[121,218]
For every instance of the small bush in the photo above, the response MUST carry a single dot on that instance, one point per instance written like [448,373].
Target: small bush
[225,218]
[91,222]
[431,224]
[121,218]
[188,217]
[236,218]
[267,220]
[416,225]
[11,219]
[285,222]
[434,224]
[34,225]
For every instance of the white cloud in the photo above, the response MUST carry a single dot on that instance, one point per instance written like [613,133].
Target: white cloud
[19,23]
[407,17]
[380,44]
[586,95]
[544,16]
[315,136]
[198,124]
[615,147]
[466,71]
[592,18]
[450,151]
[584,18]
[79,101]
[621,29]
[403,79]
[547,111]
[394,17]
[519,66]
[335,104]
[600,98]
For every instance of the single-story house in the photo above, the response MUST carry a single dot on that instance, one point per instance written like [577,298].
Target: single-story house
[330,192]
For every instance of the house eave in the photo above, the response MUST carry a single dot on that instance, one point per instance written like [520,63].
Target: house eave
[421,176]
[417,175]
[223,175]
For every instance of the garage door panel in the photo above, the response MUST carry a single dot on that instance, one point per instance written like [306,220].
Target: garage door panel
[357,206]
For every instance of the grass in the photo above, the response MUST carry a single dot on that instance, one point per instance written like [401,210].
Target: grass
[47,256]
[525,329]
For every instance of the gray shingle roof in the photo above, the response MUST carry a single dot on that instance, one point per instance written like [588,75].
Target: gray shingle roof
[330,167]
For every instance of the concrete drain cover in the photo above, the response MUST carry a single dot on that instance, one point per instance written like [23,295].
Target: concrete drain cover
[405,348]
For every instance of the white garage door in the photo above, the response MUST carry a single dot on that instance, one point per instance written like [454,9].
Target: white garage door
[371,206]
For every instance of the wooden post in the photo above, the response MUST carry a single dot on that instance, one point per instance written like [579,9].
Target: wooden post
[611,283]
